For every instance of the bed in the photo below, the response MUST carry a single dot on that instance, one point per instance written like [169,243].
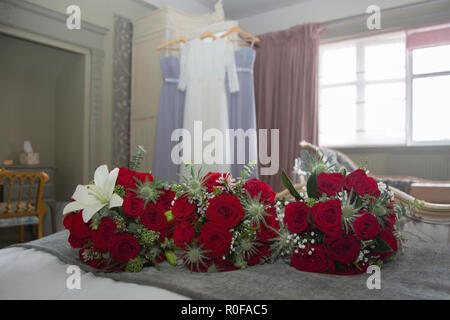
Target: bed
[37,270]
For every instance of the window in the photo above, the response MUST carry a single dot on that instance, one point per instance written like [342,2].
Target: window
[431,94]
[373,91]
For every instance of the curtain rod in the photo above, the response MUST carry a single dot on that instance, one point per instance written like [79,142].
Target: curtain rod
[336,22]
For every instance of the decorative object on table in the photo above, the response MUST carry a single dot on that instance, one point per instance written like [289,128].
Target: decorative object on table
[432,219]
[124,220]
[26,209]
[341,224]
[28,157]
[119,221]
[222,223]
[8,162]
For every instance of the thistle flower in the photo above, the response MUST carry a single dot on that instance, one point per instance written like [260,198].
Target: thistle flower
[248,247]
[282,245]
[148,191]
[195,256]
[255,211]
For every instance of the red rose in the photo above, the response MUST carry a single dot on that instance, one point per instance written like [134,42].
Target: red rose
[76,242]
[366,226]
[182,210]
[263,251]
[183,233]
[226,210]
[215,238]
[361,183]
[317,261]
[124,247]
[327,217]
[210,180]
[126,178]
[387,235]
[94,263]
[132,205]
[154,218]
[80,232]
[329,183]
[351,269]
[267,231]
[344,248]
[102,237]
[67,220]
[224,265]
[372,187]
[167,231]
[165,198]
[391,219]
[296,216]
[256,187]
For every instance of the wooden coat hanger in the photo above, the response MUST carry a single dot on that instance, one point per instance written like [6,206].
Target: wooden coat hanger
[249,36]
[207,34]
[176,40]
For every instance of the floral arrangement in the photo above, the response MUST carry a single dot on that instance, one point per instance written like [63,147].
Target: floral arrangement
[223,224]
[342,223]
[119,220]
[124,220]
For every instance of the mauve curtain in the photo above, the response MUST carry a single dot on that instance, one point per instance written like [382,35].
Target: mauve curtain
[286,85]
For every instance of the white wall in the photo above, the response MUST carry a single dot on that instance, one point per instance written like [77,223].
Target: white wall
[101,12]
[313,11]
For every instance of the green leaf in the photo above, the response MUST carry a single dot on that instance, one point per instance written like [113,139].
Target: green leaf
[137,158]
[288,184]
[134,228]
[311,186]
[381,245]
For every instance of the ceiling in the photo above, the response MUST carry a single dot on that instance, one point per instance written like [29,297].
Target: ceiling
[234,9]
[238,9]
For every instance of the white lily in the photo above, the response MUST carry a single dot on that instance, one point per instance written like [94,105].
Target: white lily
[93,197]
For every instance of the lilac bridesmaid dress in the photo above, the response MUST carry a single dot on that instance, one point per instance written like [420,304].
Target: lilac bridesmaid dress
[170,117]
[241,105]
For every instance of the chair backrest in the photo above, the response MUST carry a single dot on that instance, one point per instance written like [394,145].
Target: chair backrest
[24,182]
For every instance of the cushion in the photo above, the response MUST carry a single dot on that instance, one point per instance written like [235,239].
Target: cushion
[18,221]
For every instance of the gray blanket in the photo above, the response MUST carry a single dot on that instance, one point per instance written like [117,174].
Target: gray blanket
[423,272]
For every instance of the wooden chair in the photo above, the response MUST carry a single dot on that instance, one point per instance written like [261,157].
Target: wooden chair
[26,209]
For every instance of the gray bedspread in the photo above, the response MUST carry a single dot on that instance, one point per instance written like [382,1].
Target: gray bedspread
[423,272]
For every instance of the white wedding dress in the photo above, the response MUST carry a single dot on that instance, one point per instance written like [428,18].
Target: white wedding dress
[203,66]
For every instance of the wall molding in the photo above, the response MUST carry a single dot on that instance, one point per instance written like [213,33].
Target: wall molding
[50,25]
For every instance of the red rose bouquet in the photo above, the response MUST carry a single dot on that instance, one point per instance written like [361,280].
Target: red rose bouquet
[120,220]
[342,224]
[223,224]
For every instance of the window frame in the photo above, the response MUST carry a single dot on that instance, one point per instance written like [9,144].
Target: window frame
[409,101]
[360,83]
